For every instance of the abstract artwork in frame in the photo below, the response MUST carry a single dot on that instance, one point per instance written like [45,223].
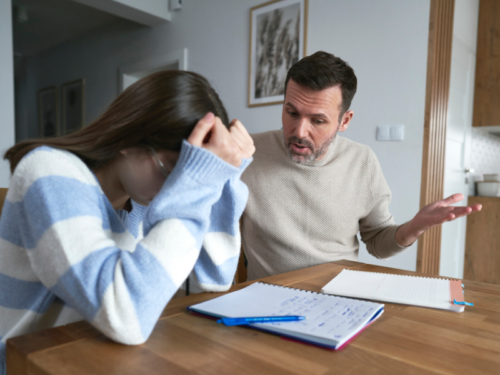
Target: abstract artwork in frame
[277,41]
[73,99]
[48,110]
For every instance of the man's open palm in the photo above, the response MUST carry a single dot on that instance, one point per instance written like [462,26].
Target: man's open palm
[441,211]
[431,215]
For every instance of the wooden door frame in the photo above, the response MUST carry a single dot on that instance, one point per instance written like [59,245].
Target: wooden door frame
[436,111]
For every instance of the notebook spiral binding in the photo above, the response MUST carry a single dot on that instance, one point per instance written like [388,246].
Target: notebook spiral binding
[289,287]
[415,277]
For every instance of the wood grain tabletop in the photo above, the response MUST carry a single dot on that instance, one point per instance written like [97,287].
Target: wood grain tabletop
[404,340]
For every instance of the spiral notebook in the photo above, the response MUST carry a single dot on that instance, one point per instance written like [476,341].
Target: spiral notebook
[330,321]
[408,290]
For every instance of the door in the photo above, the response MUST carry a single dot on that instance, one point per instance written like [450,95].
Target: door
[171,61]
[458,131]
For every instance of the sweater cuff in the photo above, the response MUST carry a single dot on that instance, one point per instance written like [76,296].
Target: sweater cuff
[396,242]
[397,248]
[204,166]
[387,246]
[244,164]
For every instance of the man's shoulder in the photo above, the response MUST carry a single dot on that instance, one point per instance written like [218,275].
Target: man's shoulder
[268,145]
[267,138]
[351,149]
[269,154]
[349,144]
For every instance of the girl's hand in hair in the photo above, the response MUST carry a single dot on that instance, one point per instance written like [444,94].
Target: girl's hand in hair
[211,134]
[242,139]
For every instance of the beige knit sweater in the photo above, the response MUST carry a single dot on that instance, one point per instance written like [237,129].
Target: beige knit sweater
[300,215]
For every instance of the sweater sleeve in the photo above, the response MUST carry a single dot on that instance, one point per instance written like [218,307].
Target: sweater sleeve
[66,224]
[220,253]
[377,228]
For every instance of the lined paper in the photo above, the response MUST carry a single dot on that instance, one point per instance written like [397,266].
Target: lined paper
[410,290]
[328,317]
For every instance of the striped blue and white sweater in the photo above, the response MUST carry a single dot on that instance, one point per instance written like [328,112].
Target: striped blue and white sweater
[67,255]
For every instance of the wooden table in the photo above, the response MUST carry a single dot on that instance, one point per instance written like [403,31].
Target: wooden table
[405,340]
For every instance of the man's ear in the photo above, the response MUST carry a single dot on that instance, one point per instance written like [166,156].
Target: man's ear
[346,120]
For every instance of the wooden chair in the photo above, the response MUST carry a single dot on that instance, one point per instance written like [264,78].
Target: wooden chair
[3,194]
[241,271]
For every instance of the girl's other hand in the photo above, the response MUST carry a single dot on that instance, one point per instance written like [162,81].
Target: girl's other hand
[242,139]
[211,134]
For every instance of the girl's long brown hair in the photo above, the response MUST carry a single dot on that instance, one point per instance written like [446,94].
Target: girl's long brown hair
[159,110]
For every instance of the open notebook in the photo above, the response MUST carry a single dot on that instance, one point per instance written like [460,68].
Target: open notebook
[331,321]
[408,290]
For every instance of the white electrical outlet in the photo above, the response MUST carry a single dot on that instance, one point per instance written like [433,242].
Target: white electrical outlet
[397,132]
[390,132]
[383,133]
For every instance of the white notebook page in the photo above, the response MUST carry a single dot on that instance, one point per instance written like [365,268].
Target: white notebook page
[328,317]
[410,290]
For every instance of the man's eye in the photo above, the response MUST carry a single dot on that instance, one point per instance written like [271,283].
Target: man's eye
[319,122]
[293,114]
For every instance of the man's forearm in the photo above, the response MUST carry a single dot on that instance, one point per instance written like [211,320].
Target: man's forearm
[407,235]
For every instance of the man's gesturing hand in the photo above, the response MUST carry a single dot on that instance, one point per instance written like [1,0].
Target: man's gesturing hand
[230,145]
[431,215]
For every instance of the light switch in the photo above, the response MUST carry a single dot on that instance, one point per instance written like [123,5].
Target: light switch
[384,133]
[397,132]
[390,132]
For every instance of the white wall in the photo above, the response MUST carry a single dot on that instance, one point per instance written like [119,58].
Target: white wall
[386,44]
[6,88]
[458,131]
[384,41]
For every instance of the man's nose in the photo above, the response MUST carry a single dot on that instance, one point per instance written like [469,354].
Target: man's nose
[301,130]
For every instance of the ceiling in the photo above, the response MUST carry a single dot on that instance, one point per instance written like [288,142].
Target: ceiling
[51,22]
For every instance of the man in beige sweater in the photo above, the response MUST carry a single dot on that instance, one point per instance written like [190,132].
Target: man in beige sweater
[312,192]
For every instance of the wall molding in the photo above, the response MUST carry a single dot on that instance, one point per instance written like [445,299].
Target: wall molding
[145,12]
[436,108]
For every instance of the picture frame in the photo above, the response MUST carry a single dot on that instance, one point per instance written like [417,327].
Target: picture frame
[48,112]
[278,34]
[73,106]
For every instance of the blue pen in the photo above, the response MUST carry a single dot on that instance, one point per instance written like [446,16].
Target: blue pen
[260,319]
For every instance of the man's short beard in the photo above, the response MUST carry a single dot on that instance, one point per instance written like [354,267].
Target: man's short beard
[315,154]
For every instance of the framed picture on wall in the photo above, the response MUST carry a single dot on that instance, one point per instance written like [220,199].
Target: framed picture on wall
[277,41]
[48,112]
[73,106]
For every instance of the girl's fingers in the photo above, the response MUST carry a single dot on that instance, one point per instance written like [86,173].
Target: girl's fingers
[223,145]
[242,138]
[230,145]
[202,128]
[220,133]
[237,135]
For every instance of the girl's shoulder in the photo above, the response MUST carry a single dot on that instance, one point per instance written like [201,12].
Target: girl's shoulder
[45,163]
